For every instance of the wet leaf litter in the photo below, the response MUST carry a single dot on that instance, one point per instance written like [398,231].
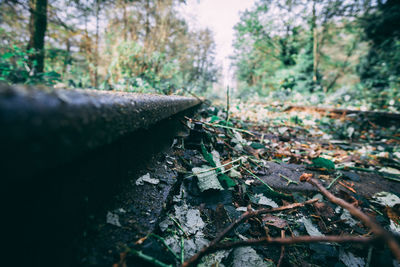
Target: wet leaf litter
[252,192]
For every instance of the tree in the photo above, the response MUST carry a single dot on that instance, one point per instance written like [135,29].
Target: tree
[381,66]
[37,30]
[288,44]
[141,45]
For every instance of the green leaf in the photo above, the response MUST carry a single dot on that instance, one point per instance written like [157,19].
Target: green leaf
[323,163]
[226,123]
[7,55]
[226,181]
[207,156]
[214,119]
[256,145]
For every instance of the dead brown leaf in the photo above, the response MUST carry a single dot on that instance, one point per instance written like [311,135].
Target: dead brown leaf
[274,221]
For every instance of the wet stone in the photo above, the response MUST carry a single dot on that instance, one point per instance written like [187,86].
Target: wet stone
[153,247]
[212,199]
[323,251]
[352,176]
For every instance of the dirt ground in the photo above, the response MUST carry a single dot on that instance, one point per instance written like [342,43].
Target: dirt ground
[224,166]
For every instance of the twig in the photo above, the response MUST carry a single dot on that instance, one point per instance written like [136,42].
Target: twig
[179,225]
[148,258]
[221,172]
[282,250]
[354,168]
[369,222]
[247,215]
[223,165]
[221,126]
[374,209]
[255,176]
[289,181]
[388,176]
[264,183]
[334,181]
[193,94]
[166,245]
[295,240]
[228,127]
[233,167]
[182,250]
[348,187]
[228,145]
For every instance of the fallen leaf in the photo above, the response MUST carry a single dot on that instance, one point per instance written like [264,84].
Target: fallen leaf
[146,178]
[390,170]
[207,179]
[323,163]
[305,177]
[113,219]
[311,229]
[274,221]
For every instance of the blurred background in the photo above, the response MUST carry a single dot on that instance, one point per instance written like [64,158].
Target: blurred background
[320,52]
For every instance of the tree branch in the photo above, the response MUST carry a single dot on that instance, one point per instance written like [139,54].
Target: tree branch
[368,221]
[247,215]
[295,240]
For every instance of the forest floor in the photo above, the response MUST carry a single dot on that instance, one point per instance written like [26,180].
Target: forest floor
[248,191]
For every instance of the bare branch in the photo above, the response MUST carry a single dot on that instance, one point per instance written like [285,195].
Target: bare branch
[296,240]
[368,221]
[247,215]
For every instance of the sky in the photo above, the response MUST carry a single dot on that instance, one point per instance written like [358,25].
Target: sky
[220,16]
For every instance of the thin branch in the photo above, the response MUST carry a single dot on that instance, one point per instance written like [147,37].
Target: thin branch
[334,181]
[165,244]
[264,183]
[289,181]
[148,258]
[258,178]
[223,165]
[282,250]
[182,249]
[296,240]
[221,126]
[247,215]
[368,221]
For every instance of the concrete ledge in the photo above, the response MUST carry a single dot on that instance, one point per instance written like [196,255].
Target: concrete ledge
[42,128]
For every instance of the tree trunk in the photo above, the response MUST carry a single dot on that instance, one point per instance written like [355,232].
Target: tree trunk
[96,56]
[125,18]
[147,23]
[67,56]
[315,43]
[37,30]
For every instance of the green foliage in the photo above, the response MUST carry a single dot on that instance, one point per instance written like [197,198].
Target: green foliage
[142,46]
[207,156]
[353,61]
[225,180]
[323,163]
[271,55]
[256,56]
[257,145]
[14,65]
[134,70]
[380,68]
